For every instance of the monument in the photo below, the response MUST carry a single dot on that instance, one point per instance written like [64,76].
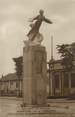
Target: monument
[35,64]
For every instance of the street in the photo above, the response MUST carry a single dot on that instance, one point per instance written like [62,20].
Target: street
[10,107]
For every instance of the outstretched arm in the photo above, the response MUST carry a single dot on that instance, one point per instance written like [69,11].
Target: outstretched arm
[32,19]
[35,18]
[48,21]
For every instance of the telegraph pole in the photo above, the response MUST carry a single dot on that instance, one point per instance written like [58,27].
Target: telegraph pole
[52,47]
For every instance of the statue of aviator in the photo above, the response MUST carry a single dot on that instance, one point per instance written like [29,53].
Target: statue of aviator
[36,25]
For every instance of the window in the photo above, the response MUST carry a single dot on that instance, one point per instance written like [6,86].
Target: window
[17,84]
[56,80]
[11,82]
[66,80]
[73,80]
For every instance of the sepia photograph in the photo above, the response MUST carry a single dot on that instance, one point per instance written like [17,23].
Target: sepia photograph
[37,58]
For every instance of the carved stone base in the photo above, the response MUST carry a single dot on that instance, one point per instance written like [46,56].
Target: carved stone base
[34,79]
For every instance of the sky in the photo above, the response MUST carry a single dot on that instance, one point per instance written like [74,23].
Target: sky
[14,26]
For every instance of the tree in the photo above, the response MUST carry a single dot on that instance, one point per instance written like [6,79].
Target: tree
[19,66]
[19,70]
[67,54]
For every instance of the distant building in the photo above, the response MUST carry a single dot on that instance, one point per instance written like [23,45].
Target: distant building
[61,80]
[10,85]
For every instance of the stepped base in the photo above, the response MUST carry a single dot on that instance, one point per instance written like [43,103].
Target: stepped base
[38,110]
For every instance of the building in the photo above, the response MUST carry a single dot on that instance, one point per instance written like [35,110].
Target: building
[61,80]
[10,85]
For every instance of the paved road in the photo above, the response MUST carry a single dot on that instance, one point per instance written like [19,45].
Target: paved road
[10,107]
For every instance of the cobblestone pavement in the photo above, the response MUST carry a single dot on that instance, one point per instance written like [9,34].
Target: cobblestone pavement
[10,107]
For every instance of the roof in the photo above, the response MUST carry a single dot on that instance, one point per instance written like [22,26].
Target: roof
[9,77]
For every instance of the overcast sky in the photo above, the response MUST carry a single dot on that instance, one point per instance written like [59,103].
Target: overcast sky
[14,26]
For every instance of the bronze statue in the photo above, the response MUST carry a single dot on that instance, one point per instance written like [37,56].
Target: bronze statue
[35,26]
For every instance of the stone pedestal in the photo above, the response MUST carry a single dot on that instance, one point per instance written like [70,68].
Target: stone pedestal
[34,75]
